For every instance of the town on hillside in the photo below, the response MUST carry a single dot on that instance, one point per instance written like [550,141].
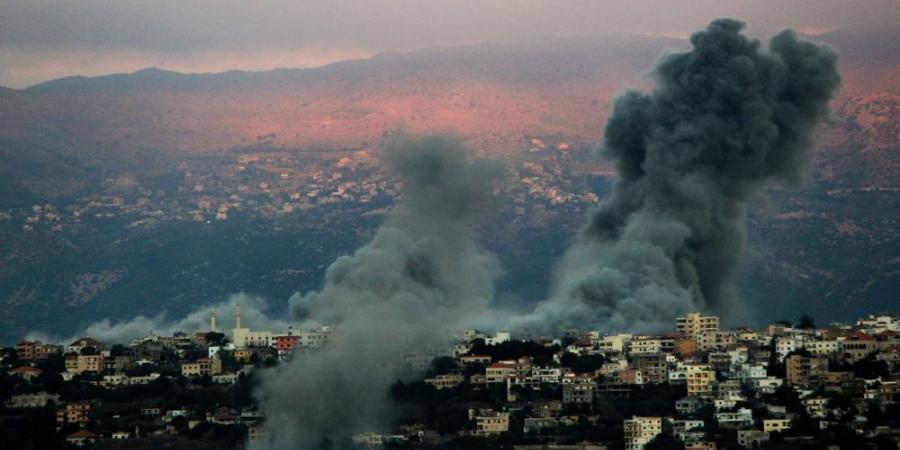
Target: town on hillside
[698,387]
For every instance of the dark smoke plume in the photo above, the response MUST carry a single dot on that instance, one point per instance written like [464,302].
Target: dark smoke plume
[405,291]
[725,118]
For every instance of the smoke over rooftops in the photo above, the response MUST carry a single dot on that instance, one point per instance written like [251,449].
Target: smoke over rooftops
[403,292]
[726,118]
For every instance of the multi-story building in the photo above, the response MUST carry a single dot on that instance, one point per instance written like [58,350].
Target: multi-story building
[285,344]
[203,366]
[80,344]
[74,413]
[772,425]
[680,428]
[581,392]
[700,379]
[878,323]
[489,422]
[786,345]
[746,372]
[612,345]
[767,385]
[712,340]
[654,368]
[498,372]
[446,381]
[549,375]
[37,400]
[694,324]
[245,337]
[800,368]
[316,338]
[857,346]
[90,363]
[742,417]
[641,430]
[25,350]
[644,345]
[824,348]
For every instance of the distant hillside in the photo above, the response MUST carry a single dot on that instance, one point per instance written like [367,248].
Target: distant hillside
[494,94]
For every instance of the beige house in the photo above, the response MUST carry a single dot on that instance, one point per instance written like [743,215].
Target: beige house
[699,379]
[488,421]
[694,324]
[89,363]
[799,368]
[641,430]
[203,366]
[445,381]
[770,425]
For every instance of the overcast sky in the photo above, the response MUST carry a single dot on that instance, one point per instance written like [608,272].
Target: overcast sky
[46,39]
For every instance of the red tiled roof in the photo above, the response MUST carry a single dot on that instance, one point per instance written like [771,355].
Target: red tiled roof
[24,369]
[82,434]
[860,336]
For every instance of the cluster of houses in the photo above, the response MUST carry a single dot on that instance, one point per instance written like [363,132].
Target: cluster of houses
[717,371]
[193,357]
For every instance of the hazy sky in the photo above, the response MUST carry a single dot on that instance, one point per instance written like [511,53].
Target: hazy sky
[45,39]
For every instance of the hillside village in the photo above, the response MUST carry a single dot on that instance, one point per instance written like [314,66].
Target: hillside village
[698,387]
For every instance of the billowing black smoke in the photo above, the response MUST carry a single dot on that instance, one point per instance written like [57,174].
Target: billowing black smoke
[725,118]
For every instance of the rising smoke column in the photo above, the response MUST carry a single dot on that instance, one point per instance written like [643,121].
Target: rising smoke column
[404,291]
[725,118]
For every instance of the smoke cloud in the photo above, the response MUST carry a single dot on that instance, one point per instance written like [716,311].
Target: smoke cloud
[254,314]
[725,118]
[405,291]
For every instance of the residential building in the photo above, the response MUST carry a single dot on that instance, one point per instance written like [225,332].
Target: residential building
[489,422]
[641,430]
[800,368]
[74,413]
[654,368]
[773,425]
[857,346]
[203,366]
[90,363]
[77,346]
[739,418]
[446,381]
[694,324]
[36,400]
[699,379]
[581,392]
